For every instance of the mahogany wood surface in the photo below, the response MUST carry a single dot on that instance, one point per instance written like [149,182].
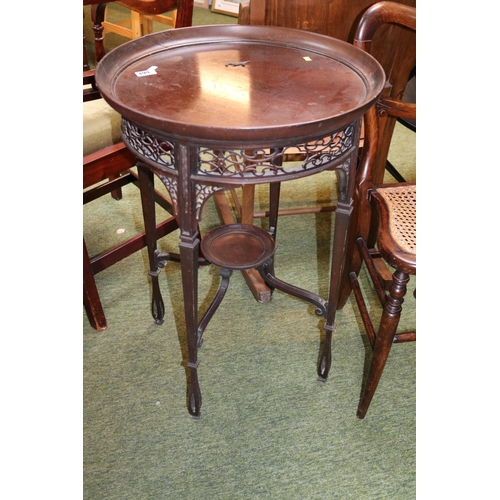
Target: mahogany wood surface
[258,77]
[228,67]
[393,46]
[184,16]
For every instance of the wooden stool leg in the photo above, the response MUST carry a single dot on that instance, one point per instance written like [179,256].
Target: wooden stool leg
[91,299]
[116,193]
[247,204]
[383,343]
[135,20]
[260,290]
[147,25]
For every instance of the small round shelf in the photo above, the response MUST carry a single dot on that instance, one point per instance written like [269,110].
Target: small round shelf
[237,246]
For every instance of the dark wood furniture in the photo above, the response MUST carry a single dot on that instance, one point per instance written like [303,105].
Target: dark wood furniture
[395,207]
[338,19]
[239,92]
[393,46]
[113,165]
[184,15]
[106,171]
[138,24]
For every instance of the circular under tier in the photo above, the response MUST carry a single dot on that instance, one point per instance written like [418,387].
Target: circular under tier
[237,246]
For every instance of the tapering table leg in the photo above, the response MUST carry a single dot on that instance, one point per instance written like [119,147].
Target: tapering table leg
[146,183]
[189,249]
[341,235]
[342,221]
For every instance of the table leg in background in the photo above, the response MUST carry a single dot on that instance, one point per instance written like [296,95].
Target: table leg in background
[146,183]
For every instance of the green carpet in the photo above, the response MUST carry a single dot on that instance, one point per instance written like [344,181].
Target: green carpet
[269,429]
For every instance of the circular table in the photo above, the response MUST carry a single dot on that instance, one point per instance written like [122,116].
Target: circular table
[208,108]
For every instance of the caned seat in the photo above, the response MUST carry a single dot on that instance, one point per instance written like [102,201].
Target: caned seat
[397,240]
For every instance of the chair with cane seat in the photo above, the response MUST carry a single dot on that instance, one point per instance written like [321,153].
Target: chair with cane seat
[395,208]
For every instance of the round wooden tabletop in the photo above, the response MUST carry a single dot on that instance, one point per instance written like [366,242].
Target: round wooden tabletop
[234,84]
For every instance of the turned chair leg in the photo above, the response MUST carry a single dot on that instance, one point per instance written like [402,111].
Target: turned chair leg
[385,337]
